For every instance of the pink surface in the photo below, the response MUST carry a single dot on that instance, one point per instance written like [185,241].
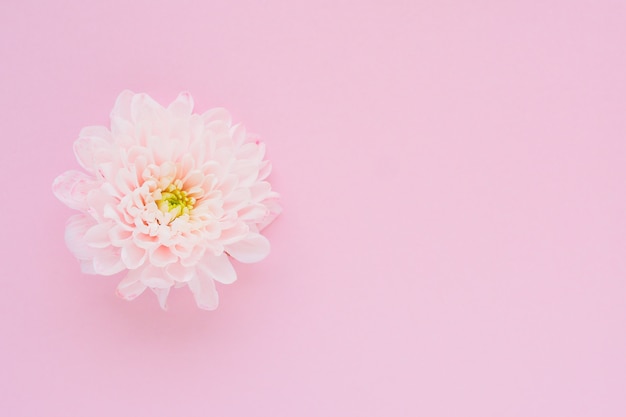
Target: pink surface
[454,230]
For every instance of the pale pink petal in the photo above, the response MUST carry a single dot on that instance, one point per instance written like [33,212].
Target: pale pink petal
[253,213]
[193,182]
[179,273]
[187,163]
[274,210]
[237,199]
[157,282]
[145,241]
[126,181]
[215,114]
[182,106]
[72,188]
[253,248]
[247,171]
[107,261]
[133,256]
[228,184]
[162,294]
[131,286]
[98,236]
[119,236]
[86,267]
[122,106]
[162,256]
[98,199]
[237,231]
[145,108]
[203,289]
[264,170]
[196,255]
[260,190]
[153,277]
[253,152]
[75,230]
[218,268]
[95,132]
[111,213]
[90,150]
[238,133]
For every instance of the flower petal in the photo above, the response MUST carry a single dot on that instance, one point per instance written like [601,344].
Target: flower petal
[107,261]
[153,277]
[133,256]
[234,233]
[75,230]
[98,236]
[86,267]
[203,289]
[182,106]
[253,213]
[253,248]
[274,210]
[156,278]
[144,108]
[218,268]
[119,235]
[162,256]
[238,133]
[72,188]
[131,286]
[217,113]
[92,147]
[162,294]
[180,273]
[121,109]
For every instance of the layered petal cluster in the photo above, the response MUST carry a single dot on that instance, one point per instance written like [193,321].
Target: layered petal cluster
[168,195]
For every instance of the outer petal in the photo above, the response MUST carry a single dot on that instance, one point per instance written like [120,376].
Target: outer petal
[72,188]
[121,109]
[203,289]
[218,268]
[274,210]
[234,233]
[92,147]
[264,170]
[133,256]
[155,278]
[107,261]
[182,106]
[238,133]
[98,236]
[75,230]
[131,286]
[121,120]
[162,256]
[162,294]
[145,108]
[86,266]
[253,248]
[217,113]
[180,273]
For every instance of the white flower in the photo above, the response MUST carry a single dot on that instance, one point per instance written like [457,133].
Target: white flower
[169,196]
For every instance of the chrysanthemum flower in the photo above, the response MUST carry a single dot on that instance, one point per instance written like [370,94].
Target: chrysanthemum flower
[170,196]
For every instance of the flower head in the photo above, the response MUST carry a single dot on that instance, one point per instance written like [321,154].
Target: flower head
[170,196]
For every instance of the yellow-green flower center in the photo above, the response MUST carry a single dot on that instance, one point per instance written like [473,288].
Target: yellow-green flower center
[175,201]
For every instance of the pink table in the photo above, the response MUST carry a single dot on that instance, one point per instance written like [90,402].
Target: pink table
[453,179]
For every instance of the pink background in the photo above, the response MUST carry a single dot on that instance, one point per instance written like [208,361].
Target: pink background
[454,232]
